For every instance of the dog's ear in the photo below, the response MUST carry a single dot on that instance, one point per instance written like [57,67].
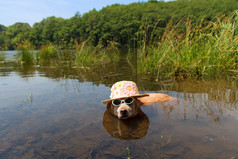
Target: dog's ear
[154,98]
[109,105]
[138,102]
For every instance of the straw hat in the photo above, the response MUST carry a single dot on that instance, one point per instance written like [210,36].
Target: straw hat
[123,89]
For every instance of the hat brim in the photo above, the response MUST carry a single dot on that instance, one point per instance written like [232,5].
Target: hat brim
[138,95]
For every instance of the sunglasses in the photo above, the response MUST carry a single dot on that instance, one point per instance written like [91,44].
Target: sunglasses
[118,102]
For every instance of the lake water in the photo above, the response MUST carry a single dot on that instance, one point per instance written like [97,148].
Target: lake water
[48,111]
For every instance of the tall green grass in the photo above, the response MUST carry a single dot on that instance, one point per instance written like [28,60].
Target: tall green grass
[201,51]
[2,56]
[80,54]
[25,54]
[87,55]
[47,52]
[56,54]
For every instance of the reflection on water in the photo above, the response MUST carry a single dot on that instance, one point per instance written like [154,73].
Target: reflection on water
[50,111]
[130,129]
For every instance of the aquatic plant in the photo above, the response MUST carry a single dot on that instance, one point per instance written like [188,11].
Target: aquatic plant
[65,56]
[28,99]
[87,54]
[26,54]
[47,52]
[2,56]
[201,51]
[128,153]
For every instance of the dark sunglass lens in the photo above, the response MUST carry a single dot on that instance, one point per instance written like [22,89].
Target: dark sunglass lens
[129,100]
[116,102]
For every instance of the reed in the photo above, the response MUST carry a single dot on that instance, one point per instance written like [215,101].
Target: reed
[47,52]
[65,56]
[2,56]
[65,53]
[57,54]
[88,55]
[201,51]
[128,153]
[26,54]
[81,54]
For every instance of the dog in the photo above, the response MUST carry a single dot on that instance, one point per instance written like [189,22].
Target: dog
[125,100]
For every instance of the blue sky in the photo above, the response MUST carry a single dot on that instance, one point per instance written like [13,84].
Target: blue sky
[31,11]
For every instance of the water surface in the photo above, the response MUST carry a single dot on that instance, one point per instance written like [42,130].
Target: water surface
[48,111]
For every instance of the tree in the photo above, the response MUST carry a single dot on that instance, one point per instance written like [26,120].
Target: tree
[16,33]
[125,24]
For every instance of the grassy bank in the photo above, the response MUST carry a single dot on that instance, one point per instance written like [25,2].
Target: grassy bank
[204,50]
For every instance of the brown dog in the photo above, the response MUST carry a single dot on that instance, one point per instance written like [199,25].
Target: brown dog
[126,101]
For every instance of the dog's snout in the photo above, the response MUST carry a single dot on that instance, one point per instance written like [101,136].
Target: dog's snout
[123,112]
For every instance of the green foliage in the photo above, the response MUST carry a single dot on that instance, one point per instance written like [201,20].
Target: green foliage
[2,36]
[200,51]
[47,52]
[119,23]
[16,33]
[2,28]
[87,55]
[49,30]
[25,54]
[181,37]
[2,56]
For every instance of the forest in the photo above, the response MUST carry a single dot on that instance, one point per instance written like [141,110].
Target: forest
[124,25]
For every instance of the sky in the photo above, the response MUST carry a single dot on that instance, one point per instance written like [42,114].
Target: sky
[32,11]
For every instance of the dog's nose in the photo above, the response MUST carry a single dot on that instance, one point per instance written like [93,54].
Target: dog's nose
[124,112]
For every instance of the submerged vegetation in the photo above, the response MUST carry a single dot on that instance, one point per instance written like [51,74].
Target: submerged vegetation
[188,40]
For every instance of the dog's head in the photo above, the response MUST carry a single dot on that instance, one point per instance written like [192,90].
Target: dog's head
[124,110]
